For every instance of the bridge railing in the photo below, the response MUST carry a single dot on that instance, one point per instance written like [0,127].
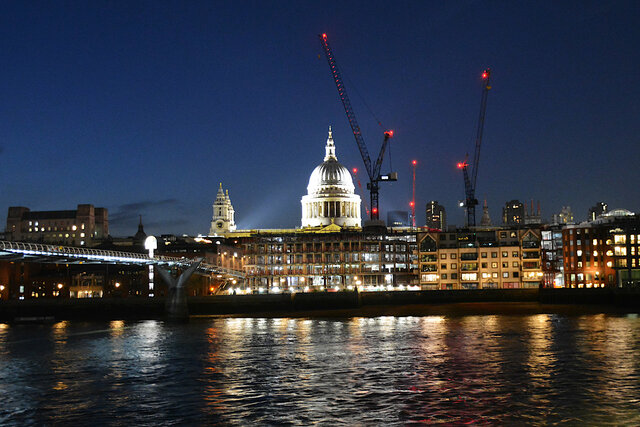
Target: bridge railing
[28,248]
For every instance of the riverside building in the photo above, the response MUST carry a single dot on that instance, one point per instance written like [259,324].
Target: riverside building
[84,226]
[604,252]
[480,259]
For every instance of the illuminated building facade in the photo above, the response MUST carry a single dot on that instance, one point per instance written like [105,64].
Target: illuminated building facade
[330,197]
[482,259]
[331,259]
[552,256]
[85,226]
[604,252]
[223,220]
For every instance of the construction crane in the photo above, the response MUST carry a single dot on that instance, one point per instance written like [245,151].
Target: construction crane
[360,190]
[470,182]
[414,163]
[373,170]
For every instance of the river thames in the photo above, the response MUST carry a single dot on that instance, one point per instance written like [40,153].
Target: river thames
[487,370]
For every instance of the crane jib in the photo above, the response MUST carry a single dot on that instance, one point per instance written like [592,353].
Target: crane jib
[372,171]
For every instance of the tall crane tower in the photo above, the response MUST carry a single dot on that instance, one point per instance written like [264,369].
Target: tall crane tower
[470,182]
[372,170]
[414,163]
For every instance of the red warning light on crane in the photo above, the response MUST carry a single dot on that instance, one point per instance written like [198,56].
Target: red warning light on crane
[462,165]
[414,162]
[389,133]
[374,210]
[485,74]
[324,35]
[412,203]
[355,171]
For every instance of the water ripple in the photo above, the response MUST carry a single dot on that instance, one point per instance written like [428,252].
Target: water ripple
[477,370]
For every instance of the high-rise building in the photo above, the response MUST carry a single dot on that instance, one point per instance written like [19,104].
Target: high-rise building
[564,217]
[600,208]
[398,219]
[85,226]
[436,216]
[513,213]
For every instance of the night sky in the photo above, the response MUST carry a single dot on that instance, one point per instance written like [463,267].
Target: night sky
[144,107]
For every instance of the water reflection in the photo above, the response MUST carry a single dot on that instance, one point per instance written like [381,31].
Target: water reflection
[542,369]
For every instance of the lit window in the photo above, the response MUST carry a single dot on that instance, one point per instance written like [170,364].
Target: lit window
[595,242]
[505,274]
[82,226]
[595,253]
[617,239]
[469,276]
[74,227]
[81,234]
[30,223]
[579,252]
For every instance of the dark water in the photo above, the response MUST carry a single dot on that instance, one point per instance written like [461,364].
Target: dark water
[483,370]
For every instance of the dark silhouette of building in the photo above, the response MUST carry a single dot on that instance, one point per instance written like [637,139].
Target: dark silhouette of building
[398,219]
[599,209]
[513,213]
[436,215]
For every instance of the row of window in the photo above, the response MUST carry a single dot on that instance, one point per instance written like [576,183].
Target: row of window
[432,277]
[466,255]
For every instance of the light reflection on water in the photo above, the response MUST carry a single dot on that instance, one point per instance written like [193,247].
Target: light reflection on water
[499,369]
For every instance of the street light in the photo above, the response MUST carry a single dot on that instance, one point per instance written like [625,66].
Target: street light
[151,244]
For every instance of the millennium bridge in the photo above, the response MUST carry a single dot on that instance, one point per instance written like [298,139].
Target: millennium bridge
[56,254]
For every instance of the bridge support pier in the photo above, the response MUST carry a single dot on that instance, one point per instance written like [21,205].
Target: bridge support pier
[176,307]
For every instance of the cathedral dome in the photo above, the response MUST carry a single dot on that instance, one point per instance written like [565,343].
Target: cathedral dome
[330,177]
[331,197]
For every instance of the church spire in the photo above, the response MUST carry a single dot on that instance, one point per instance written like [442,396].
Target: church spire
[330,149]
[486,219]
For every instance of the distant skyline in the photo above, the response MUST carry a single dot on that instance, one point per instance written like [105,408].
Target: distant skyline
[144,107]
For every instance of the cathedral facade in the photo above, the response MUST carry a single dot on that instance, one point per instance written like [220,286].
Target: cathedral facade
[331,197]
[223,220]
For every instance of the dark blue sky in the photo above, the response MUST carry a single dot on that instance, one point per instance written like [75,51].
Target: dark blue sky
[144,107]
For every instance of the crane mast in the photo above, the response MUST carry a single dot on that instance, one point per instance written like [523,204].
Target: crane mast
[372,170]
[470,181]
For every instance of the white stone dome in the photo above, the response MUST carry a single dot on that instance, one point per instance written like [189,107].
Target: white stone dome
[330,177]
[331,197]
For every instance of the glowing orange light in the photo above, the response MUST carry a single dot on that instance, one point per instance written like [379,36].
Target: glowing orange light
[324,35]
[484,75]
[374,210]
[462,165]
[414,162]
[389,133]
[412,204]
[355,170]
